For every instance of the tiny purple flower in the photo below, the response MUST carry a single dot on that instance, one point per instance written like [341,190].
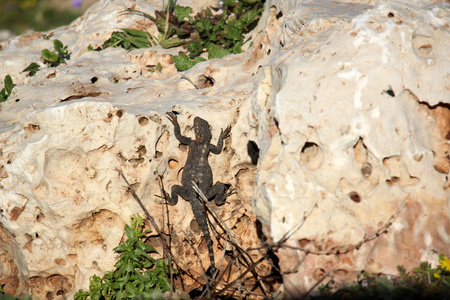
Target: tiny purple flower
[77,3]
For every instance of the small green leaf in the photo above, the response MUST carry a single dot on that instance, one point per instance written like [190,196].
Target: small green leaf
[182,13]
[230,2]
[54,57]
[215,51]
[183,63]
[58,45]
[46,54]
[3,95]
[8,84]
[129,231]
[203,26]
[401,270]
[32,68]
[170,43]
[251,2]
[249,17]
[233,30]
[195,49]
[418,270]
[121,248]
[90,48]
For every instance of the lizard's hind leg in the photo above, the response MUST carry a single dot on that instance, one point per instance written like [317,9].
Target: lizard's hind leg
[218,192]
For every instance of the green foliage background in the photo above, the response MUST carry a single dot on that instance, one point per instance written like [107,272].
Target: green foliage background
[38,15]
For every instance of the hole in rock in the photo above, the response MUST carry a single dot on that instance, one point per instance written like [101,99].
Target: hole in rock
[354,196]
[143,121]
[17,100]
[393,180]
[390,92]
[366,170]
[141,150]
[391,15]
[36,235]
[173,164]
[94,79]
[136,160]
[49,296]
[39,217]
[253,151]
[276,122]
[119,113]
[80,96]
[279,15]
[426,49]
[304,242]
[360,151]
[308,151]
[60,293]
[158,154]
[204,82]
[318,274]
[32,127]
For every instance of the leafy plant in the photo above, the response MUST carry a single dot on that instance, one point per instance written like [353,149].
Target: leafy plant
[424,282]
[51,59]
[216,35]
[136,273]
[57,57]
[6,91]
[31,69]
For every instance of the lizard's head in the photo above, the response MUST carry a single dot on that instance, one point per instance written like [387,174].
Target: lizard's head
[202,131]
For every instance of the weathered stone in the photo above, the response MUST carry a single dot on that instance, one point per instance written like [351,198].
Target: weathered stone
[352,135]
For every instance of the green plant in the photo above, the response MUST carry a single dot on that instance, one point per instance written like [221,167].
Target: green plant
[6,91]
[51,59]
[424,282]
[216,35]
[136,273]
[57,57]
[31,69]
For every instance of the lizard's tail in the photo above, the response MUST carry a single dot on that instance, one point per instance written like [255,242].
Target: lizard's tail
[200,216]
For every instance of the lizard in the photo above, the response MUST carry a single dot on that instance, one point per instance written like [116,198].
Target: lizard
[197,169]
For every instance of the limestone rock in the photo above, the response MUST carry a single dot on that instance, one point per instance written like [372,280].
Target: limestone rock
[342,106]
[67,130]
[354,139]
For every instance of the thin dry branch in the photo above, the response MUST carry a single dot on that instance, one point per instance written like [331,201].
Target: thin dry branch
[234,241]
[380,231]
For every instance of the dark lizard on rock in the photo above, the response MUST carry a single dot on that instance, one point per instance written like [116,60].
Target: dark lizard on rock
[197,169]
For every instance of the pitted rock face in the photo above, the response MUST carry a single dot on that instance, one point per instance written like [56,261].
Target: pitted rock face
[352,147]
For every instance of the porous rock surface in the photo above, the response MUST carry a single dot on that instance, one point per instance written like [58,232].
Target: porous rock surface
[347,104]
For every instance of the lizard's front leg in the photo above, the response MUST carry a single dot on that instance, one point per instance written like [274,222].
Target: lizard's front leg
[223,135]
